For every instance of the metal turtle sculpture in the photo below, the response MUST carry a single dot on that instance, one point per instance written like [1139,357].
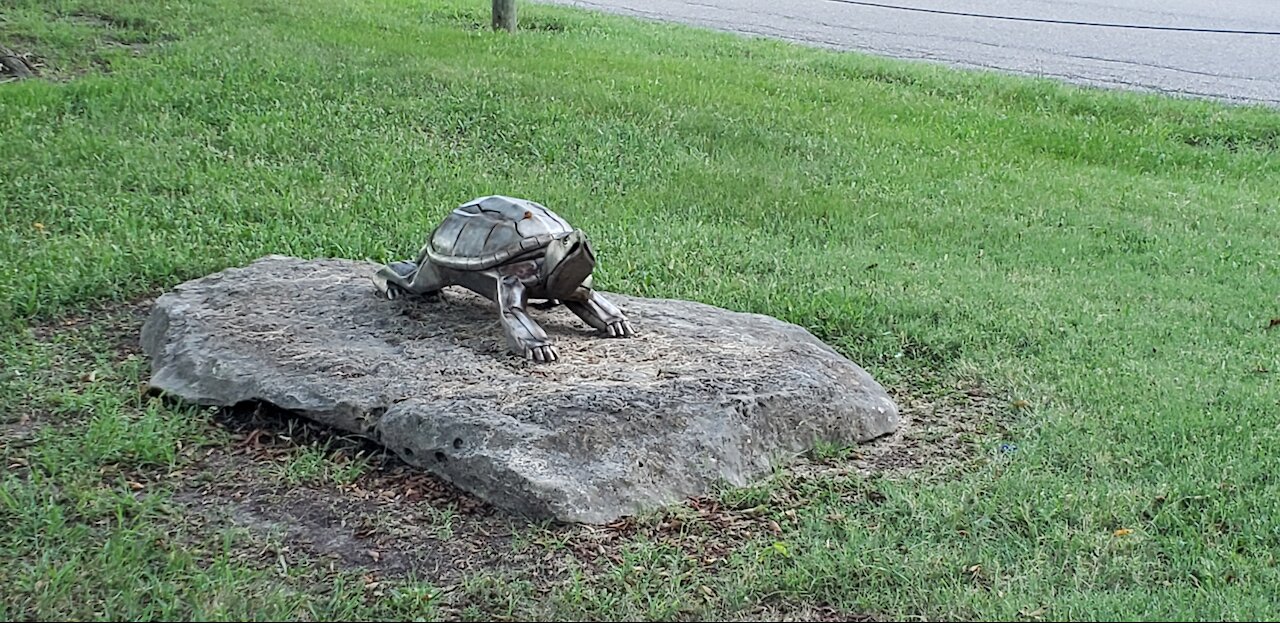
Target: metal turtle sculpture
[510,250]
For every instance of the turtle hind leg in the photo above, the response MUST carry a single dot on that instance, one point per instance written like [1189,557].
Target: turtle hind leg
[598,312]
[398,278]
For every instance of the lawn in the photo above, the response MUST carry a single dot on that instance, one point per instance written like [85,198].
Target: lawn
[1073,293]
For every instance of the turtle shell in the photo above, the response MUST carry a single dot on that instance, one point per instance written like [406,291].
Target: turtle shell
[490,231]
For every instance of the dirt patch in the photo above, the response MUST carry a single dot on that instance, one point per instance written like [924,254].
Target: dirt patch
[110,23]
[16,433]
[93,20]
[937,431]
[392,520]
[118,323]
[353,529]
[797,612]
[1265,140]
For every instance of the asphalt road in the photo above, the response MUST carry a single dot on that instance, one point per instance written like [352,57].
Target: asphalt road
[1241,68]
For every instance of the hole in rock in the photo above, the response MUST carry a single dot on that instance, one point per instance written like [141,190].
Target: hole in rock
[457,443]
[440,457]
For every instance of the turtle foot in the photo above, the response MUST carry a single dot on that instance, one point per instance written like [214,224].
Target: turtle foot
[393,292]
[542,354]
[620,328]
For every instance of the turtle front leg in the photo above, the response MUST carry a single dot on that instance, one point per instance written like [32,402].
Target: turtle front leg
[598,312]
[524,336]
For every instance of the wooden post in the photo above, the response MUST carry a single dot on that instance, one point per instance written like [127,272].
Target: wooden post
[504,15]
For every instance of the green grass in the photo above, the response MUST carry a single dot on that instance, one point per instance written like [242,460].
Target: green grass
[1108,258]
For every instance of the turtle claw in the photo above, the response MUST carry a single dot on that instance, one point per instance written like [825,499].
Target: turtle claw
[393,291]
[542,354]
[620,328]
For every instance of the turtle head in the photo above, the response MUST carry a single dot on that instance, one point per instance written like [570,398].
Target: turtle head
[569,261]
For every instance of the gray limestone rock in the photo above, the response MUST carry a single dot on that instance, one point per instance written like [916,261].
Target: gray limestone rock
[701,397]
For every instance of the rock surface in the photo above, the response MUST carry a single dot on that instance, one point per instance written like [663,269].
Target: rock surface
[702,396]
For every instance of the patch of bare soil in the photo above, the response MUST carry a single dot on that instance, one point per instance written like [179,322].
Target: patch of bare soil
[392,521]
[119,322]
[804,613]
[938,430]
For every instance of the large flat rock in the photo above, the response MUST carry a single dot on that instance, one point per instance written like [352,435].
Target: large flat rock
[702,396]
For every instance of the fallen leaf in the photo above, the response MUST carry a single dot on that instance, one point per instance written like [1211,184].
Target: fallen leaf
[39,226]
[1122,532]
[136,486]
[1275,322]
[1021,404]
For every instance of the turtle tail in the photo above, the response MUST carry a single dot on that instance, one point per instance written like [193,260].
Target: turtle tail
[404,269]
